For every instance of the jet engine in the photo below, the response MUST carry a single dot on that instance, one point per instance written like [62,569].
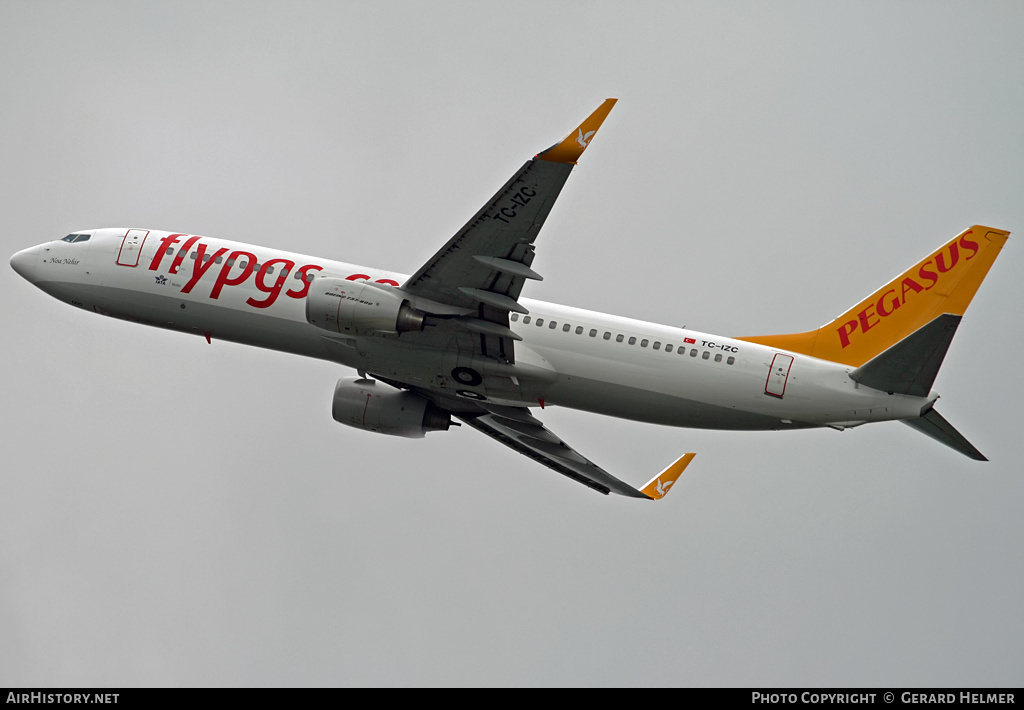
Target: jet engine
[372,405]
[360,308]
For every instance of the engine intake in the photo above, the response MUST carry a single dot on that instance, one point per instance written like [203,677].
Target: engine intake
[360,308]
[375,406]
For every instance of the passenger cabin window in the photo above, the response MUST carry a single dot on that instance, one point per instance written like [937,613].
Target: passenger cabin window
[565,328]
[552,325]
[526,320]
[515,317]
[540,322]
[579,330]
[632,341]
[668,348]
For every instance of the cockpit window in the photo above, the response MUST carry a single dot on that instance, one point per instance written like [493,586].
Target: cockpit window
[76,238]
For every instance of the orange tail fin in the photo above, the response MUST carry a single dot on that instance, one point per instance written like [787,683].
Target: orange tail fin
[943,282]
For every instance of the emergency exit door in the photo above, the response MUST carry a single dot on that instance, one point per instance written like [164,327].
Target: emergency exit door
[778,375]
[131,247]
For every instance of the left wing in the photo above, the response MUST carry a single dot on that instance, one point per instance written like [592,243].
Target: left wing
[516,428]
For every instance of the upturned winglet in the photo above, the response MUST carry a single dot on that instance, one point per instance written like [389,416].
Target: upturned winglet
[572,147]
[659,486]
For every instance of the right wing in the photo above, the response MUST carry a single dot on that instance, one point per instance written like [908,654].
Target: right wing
[482,269]
[517,429]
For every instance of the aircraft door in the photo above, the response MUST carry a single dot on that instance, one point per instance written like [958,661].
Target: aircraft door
[778,375]
[131,247]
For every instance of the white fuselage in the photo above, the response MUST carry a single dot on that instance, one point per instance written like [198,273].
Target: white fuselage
[596,362]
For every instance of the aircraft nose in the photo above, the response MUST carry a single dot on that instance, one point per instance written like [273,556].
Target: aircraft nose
[24,262]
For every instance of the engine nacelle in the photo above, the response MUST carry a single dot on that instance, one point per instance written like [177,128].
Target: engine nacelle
[375,406]
[360,308]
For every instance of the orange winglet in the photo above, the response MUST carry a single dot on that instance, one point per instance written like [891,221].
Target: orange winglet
[658,487]
[573,145]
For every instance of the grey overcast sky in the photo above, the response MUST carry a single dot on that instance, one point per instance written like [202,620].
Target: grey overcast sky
[177,513]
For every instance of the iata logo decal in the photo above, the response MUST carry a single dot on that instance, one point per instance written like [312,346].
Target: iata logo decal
[161,280]
[927,276]
[584,138]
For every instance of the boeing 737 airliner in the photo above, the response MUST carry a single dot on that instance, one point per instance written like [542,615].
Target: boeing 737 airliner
[455,339]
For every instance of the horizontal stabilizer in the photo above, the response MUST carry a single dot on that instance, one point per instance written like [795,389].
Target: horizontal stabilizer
[910,366]
[934,425]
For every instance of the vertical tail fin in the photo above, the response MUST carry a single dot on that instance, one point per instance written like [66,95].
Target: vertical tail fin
[944,282]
